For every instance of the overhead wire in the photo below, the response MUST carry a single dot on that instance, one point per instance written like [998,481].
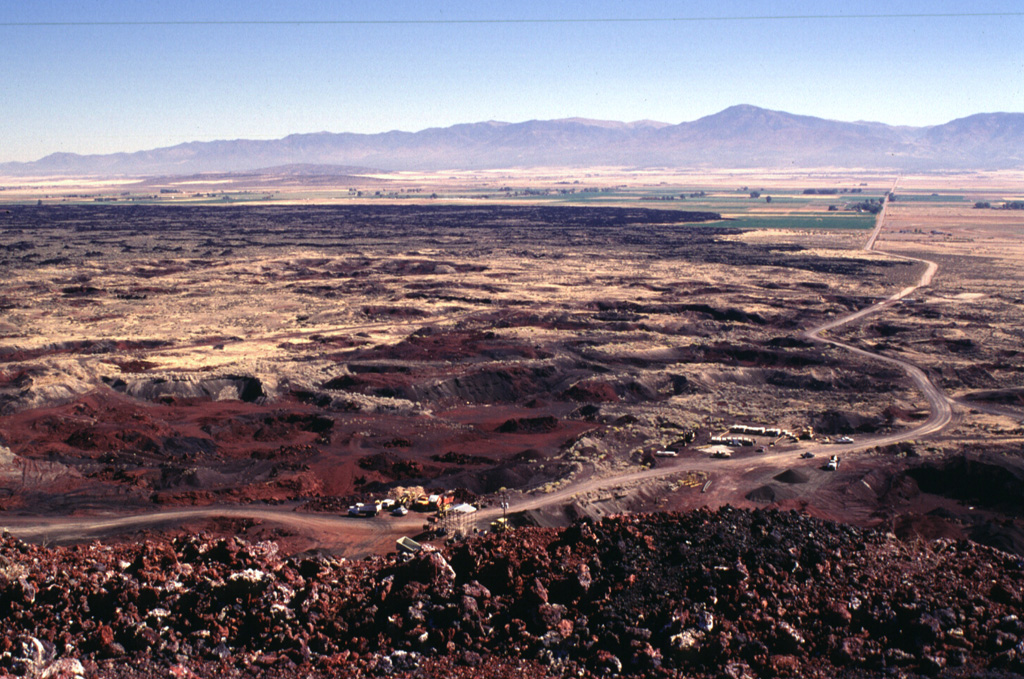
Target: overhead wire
[579,20]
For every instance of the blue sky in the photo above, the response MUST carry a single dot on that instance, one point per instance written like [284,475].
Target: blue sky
[99,76]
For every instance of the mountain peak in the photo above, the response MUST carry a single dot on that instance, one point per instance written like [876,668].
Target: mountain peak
[743,108]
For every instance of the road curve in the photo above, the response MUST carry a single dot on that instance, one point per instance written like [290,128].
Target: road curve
[939,405]
[364,536]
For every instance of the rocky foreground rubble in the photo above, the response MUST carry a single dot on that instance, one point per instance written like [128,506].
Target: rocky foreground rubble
[705,594]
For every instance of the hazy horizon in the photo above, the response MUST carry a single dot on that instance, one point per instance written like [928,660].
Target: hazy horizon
[501,122]
[116,77]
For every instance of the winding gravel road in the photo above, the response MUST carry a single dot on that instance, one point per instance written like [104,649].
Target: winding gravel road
[358,537]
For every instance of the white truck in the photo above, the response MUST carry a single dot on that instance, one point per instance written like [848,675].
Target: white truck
[364,509]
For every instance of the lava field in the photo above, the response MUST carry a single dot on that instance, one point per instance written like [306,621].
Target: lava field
[224,355]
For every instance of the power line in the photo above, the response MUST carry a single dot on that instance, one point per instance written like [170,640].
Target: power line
[401,22]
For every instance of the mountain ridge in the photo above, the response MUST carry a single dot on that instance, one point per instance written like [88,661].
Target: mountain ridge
[739,136]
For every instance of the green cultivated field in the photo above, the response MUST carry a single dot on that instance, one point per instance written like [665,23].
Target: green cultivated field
[828,220]
[927,198]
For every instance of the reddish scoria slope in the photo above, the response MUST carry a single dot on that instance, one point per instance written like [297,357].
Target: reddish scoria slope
[730,593]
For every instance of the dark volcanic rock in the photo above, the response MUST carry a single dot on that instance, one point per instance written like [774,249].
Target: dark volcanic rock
[833,422]
[792,476]
[243,388]
[988,480]
[529,425]
[704,594]
[767,493]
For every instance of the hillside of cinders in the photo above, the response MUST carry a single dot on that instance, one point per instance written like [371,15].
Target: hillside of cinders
[729,593]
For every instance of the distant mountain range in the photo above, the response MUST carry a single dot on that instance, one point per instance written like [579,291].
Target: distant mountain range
[738,137]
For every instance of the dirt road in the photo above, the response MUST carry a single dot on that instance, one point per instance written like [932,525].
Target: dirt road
[880,219]
[939,405]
